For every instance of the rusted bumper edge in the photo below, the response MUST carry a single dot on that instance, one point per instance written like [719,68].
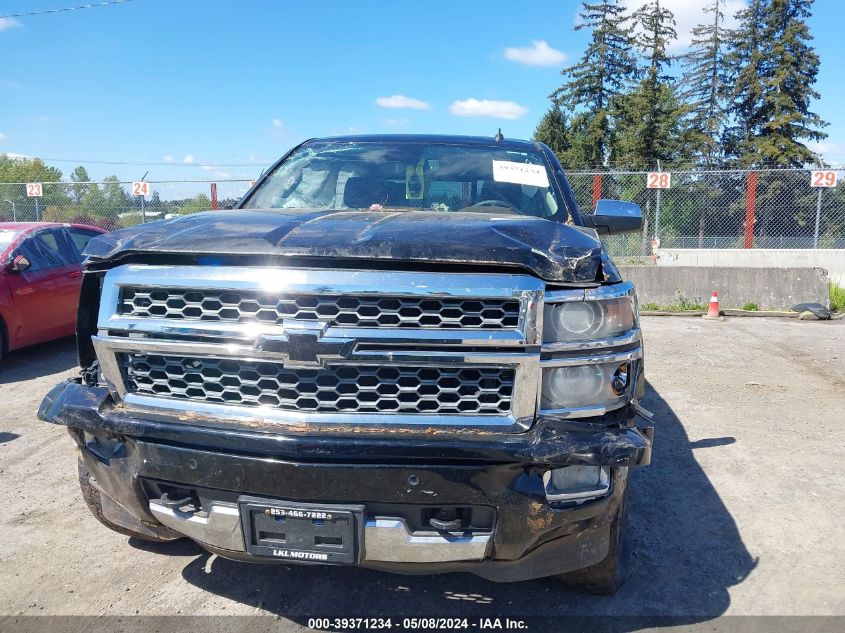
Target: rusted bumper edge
[549,442]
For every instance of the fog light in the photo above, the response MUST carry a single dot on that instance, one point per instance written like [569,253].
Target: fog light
[576,483]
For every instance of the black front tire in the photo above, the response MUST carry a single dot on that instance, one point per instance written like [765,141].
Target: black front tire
[607,576]
[95,505]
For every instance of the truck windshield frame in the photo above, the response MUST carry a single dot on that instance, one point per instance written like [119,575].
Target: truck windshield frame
[393,175]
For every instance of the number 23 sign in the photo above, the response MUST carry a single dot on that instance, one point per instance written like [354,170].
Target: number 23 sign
[658,180]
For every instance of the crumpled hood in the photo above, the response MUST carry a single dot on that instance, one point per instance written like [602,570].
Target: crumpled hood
[554,252]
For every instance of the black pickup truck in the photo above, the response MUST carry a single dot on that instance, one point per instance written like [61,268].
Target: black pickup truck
[410,353]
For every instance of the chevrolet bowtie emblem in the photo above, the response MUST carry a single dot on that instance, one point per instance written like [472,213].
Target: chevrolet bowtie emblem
[304,346]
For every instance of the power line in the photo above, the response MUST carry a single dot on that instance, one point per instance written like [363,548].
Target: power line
[80,161]
[90,5]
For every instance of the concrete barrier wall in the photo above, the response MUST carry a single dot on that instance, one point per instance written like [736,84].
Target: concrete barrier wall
[769,288]
[832,260]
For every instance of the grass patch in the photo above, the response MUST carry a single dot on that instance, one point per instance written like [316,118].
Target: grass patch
[751,307]
[681,304]
[837,298]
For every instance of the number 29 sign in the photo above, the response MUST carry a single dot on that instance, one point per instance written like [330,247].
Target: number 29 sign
[658,180]
[823,178]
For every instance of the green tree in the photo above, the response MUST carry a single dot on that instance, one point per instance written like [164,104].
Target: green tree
[791,72]
[745,60]
[21,171]
[649,121]
[80,178]
[704,79]
[552,131]
[201,202]
[606,69]
[774,69]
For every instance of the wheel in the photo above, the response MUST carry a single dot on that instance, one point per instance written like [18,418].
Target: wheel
[607,576]
[95,505]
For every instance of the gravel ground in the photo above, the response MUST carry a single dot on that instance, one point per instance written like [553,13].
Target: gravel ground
[739,513]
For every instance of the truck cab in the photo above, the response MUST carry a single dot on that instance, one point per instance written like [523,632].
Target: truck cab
[410,353]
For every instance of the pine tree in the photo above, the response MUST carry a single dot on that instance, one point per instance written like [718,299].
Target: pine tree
[552,131]
[744,62]
[648,120]
[704,84]
[775,69]
[606,69]
[793,65]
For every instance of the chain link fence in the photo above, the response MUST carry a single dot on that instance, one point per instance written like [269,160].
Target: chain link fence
[773,208]
[701,209]
[110,204]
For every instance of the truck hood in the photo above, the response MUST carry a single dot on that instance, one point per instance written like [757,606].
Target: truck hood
[552,251]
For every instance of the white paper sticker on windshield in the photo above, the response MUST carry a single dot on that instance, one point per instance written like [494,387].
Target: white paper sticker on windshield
[520,173]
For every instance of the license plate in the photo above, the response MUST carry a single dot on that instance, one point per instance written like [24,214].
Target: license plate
[301,532]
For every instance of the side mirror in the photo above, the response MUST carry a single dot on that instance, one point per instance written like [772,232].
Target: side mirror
[615,216]
[20,264]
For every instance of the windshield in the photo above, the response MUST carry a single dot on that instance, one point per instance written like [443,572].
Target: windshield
[409,176]
[7,236]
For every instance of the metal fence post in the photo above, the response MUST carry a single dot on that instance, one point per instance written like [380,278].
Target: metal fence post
[750,204]
[657,216]
[596,189]
[818,219]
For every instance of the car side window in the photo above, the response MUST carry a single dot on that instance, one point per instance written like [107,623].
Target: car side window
[47,249]
[80,238]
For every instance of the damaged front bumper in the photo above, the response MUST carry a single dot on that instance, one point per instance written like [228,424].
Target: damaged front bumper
[514,533]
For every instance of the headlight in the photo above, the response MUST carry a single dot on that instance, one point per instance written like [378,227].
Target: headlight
[591,350]
[584,320]
[591,385]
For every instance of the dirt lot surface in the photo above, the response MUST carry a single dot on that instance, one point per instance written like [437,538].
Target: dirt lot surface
[739,513]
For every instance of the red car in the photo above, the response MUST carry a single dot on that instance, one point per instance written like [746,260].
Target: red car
[40,277]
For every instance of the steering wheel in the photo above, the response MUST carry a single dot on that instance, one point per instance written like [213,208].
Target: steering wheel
[492,203]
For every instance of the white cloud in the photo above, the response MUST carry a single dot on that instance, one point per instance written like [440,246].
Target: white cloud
[689,13]
[832,152]
[486,107]
[17,156]
[538,54]
[401,101]
[168,158]
[188,158]
[44,119]
[397,122]
[277,123]
[9,23]
[3,137]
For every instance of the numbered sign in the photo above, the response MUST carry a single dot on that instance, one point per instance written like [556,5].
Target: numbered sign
[140,188]
[658,180]
[34,190]
[823,178]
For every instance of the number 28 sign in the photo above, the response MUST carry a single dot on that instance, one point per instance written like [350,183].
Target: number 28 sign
[823,178]
[658,180]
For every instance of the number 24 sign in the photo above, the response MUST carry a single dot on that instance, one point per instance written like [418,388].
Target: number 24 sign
[140,188]
[658,180]
[823,178]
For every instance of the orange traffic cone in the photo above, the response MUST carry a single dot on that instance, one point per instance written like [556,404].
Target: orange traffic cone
[713,311]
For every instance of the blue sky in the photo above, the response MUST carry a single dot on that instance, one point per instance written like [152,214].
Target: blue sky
[220,88]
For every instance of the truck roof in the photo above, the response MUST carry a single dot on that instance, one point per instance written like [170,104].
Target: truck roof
[449,139]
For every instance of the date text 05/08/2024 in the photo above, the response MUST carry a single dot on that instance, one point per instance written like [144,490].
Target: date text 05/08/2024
[417,623]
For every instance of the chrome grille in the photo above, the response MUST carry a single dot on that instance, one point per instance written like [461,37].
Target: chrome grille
[334,389]
[346,311]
